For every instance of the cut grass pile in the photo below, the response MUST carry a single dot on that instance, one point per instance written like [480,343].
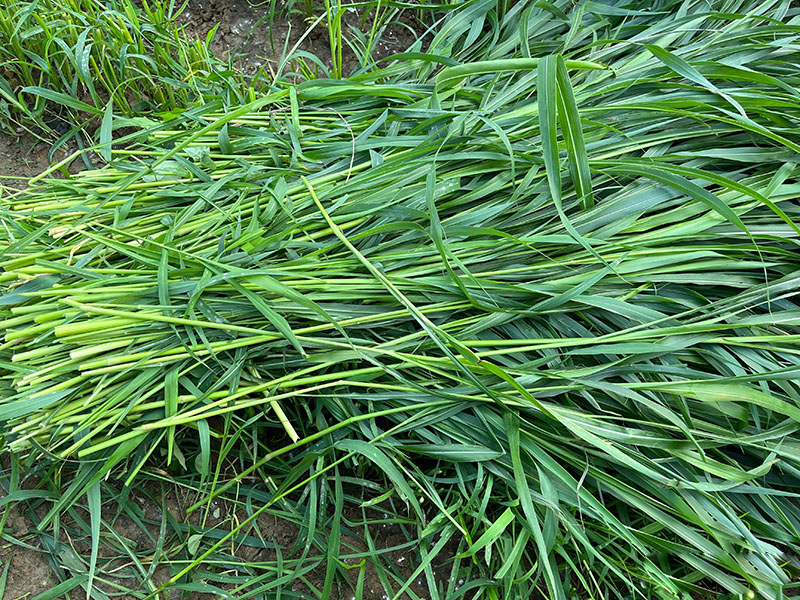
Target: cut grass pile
[544,296]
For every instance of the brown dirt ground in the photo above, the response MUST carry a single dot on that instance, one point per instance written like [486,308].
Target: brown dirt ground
[24,157]
[243,31]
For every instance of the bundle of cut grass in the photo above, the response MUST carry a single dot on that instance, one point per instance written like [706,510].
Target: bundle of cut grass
[553,298]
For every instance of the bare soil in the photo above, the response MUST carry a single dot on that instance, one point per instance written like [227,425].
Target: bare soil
[244,30]
[30,573]
[24,157]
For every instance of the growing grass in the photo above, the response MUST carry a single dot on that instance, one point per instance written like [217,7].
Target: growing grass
[67,63]
[69,67]
[533,296]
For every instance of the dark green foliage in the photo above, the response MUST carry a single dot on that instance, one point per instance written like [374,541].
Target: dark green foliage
[542,301]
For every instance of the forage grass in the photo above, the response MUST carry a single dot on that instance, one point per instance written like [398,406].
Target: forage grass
[72,65]
[537,307]
[66,63]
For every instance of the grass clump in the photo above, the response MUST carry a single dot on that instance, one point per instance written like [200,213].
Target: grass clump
[540,302]
[64,64]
